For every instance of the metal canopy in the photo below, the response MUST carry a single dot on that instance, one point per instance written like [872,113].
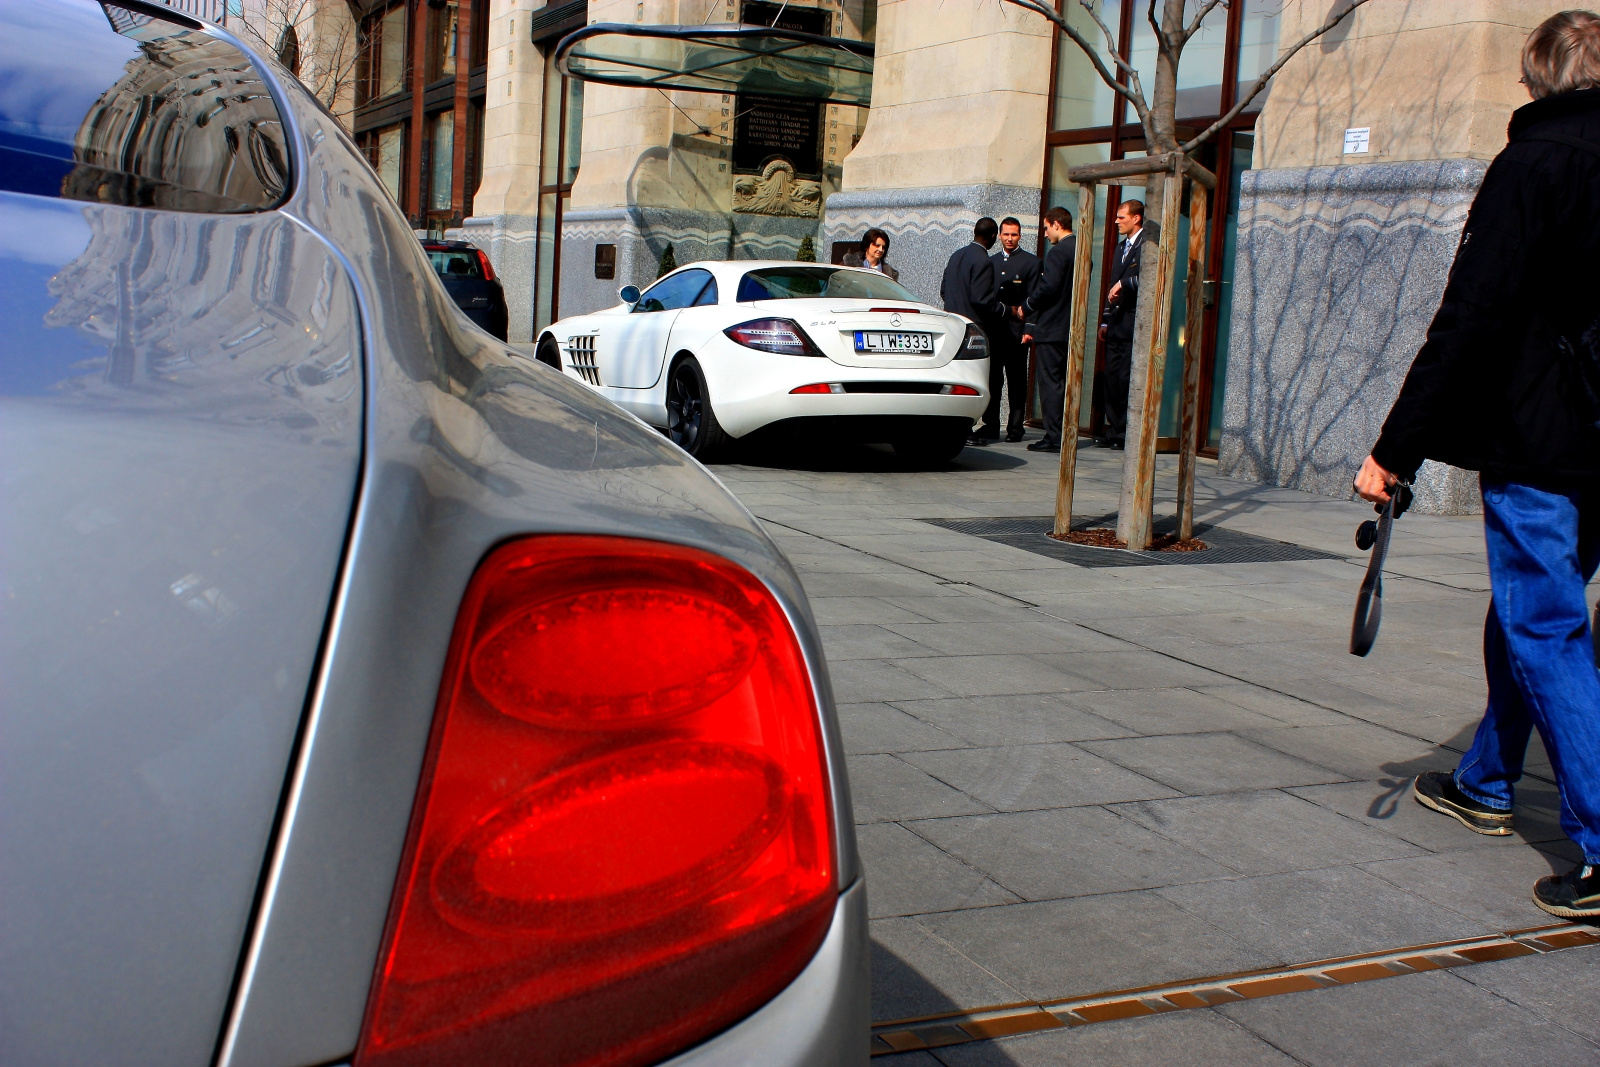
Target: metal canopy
[721,59]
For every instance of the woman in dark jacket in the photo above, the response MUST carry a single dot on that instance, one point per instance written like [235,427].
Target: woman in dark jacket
[1499,387]
[874,251]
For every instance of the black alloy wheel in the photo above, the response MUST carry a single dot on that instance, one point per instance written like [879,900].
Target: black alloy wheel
[691,424]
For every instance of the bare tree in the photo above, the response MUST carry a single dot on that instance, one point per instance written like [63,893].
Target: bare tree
[317,40]
[1158,112]
[1178,23]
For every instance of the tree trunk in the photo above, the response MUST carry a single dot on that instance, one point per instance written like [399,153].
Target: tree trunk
[1145,373]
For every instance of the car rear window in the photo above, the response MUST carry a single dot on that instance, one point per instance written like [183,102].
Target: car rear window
[117,105]
[799,283]
[451,263]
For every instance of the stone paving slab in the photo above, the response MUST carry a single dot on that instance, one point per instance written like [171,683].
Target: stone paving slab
[1072,779]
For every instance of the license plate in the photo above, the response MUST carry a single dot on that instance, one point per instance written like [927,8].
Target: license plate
[878,341]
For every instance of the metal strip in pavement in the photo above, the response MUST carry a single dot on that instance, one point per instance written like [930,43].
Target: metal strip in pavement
[981,1024]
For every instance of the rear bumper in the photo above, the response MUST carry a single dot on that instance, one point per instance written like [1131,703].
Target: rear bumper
[823,1018]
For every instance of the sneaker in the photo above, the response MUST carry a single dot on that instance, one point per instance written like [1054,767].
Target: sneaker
[1574,895]
[1438,790]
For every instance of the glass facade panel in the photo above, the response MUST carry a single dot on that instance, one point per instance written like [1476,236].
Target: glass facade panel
[389,52]
[388,157]
[1064,193]
[572,146]
[1243,150]
[1083,99]
[545,274]
[1258,45]
[443,24]
[1199,73]
[550,134]
[441,158]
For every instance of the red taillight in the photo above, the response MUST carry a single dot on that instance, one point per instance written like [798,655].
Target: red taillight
[901,311]
[622,842]
[783,336]
[818,387]
[961,390]
[483,261]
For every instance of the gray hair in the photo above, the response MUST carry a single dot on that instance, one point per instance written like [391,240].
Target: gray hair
[1562,54]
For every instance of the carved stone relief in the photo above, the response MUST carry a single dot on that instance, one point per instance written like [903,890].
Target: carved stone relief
[778,192]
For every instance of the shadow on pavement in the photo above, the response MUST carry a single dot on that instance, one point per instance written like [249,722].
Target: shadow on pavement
[841,458]
[899,991]
[1538,803]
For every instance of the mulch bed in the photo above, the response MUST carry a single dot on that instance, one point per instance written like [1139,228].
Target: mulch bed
[1103,538]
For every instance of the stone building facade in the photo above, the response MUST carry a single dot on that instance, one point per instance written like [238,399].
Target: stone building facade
[1342,192]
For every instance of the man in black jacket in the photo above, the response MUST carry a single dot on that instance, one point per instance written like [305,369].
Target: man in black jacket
[1502,385]
[970,288]
[1116,324]
[1015,270]
[1048,312]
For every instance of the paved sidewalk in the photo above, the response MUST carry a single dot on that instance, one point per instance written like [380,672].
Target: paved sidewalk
[1071,780]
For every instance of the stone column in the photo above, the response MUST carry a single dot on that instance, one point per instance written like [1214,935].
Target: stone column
[1342,255]
[505,223]
[956,132]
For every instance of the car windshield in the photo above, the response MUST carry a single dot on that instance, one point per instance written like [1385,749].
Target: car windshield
[800,283]
[454,264]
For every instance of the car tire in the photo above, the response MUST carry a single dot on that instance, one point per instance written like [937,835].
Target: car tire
[932,447]
[691,423]
[550,353]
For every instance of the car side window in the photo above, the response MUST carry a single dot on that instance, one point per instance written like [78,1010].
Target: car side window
[671,294]
[138,110]
[708,295]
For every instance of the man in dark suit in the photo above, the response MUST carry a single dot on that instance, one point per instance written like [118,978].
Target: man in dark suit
[969,287]
[1015,271]
[1048,315]
[1116,323]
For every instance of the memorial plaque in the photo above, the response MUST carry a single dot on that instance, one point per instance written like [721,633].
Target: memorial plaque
[786,17]
[768,126]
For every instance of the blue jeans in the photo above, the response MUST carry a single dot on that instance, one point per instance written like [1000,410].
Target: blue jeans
[1543,547]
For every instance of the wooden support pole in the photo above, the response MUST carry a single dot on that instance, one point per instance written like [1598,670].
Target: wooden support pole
[1082,328]
[1194,319]
[1139,462]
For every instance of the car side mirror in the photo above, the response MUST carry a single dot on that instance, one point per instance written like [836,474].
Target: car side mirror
[629,294]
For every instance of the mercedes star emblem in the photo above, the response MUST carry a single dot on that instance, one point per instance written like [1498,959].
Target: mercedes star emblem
[894,320]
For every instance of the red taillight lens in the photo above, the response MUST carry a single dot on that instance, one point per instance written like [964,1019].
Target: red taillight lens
[622,842]
[819,387]
[483,261]
[782,336]
[960,390]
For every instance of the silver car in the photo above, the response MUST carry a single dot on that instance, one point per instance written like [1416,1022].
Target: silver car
[368,692]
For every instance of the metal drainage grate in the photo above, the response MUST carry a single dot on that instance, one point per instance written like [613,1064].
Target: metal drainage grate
[1032,534]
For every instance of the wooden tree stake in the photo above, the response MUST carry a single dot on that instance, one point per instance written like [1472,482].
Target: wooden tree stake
[1194,319]
[1082,329]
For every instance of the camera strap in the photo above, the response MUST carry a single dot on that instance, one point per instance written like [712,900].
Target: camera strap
[1369,600]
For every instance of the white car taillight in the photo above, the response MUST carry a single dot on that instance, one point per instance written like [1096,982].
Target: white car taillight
[782,336]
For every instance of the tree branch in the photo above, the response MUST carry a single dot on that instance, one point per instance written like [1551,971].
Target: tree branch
[1261,82]
[1134,93]
[1205,9]
[1161,36]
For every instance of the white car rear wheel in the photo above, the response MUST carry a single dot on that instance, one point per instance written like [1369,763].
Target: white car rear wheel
[691,422]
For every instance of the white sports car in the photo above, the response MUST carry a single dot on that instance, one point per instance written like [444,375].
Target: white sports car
[718,350]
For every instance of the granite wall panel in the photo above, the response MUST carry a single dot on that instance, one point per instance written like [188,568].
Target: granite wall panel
[1338,273]
[925,226]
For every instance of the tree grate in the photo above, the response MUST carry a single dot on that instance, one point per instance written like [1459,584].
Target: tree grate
[1032,534]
